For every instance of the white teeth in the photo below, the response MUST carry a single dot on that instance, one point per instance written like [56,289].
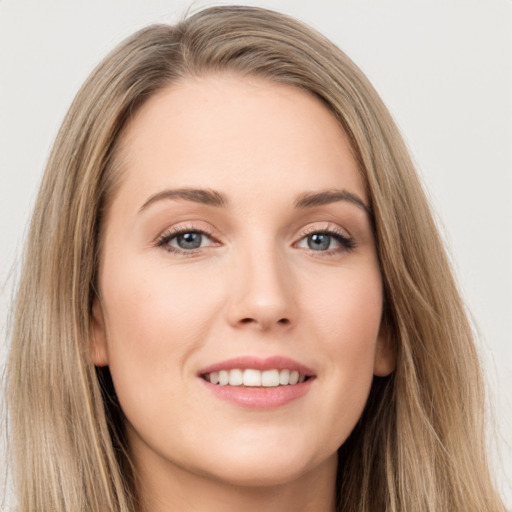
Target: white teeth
[255,378]
[270,378]
[236,378]
[223,377]
[252,377]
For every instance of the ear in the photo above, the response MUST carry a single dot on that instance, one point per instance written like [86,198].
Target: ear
[99,352]
[385,352]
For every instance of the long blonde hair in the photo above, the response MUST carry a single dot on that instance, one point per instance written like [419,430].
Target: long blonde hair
[419,445]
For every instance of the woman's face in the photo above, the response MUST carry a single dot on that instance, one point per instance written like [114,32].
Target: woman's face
[239,258]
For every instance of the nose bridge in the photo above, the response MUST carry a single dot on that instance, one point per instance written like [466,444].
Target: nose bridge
[262,288]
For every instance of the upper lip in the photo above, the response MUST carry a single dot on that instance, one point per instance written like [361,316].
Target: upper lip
[258,363]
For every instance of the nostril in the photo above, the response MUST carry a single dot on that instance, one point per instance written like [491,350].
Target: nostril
[248,320]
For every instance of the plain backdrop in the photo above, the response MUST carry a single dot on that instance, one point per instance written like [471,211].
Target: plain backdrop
[444,68]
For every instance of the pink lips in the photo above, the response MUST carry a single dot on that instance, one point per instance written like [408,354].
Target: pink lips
[260,398]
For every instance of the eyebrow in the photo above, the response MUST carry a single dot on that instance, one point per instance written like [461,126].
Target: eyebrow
[312,199]
[213,198]
[196,195]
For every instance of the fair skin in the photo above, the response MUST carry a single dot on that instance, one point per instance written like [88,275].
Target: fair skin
[255,270]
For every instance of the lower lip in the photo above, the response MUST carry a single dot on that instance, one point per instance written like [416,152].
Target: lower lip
[260,397]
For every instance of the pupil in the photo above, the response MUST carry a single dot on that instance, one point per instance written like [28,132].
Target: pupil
[189,240]
[319,242]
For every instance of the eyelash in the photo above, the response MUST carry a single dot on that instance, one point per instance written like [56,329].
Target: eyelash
[347,243]
[164,239]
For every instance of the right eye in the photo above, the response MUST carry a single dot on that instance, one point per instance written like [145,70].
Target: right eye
[184,240]
[191,240]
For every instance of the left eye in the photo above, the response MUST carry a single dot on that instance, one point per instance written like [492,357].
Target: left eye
[321,242]
[188,240]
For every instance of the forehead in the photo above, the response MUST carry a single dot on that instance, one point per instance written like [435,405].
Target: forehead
[236,134]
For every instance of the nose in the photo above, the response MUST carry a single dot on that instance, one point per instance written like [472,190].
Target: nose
[262,294]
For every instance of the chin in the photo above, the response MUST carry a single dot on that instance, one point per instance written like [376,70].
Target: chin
[273,473]
[263,467]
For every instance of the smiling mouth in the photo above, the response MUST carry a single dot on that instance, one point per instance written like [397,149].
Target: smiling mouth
[251,377]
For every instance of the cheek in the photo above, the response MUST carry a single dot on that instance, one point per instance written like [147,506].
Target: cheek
[347,309]
[347,322]
[154,320]
[163,301]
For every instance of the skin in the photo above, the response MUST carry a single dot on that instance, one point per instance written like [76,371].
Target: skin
[254,287]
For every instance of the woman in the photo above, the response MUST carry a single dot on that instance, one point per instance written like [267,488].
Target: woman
[234,294]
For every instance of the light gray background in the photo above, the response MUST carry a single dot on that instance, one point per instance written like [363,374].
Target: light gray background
[443,67]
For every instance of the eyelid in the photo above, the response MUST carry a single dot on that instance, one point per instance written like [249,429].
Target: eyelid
[343,237]
[324,227]
[161,241]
